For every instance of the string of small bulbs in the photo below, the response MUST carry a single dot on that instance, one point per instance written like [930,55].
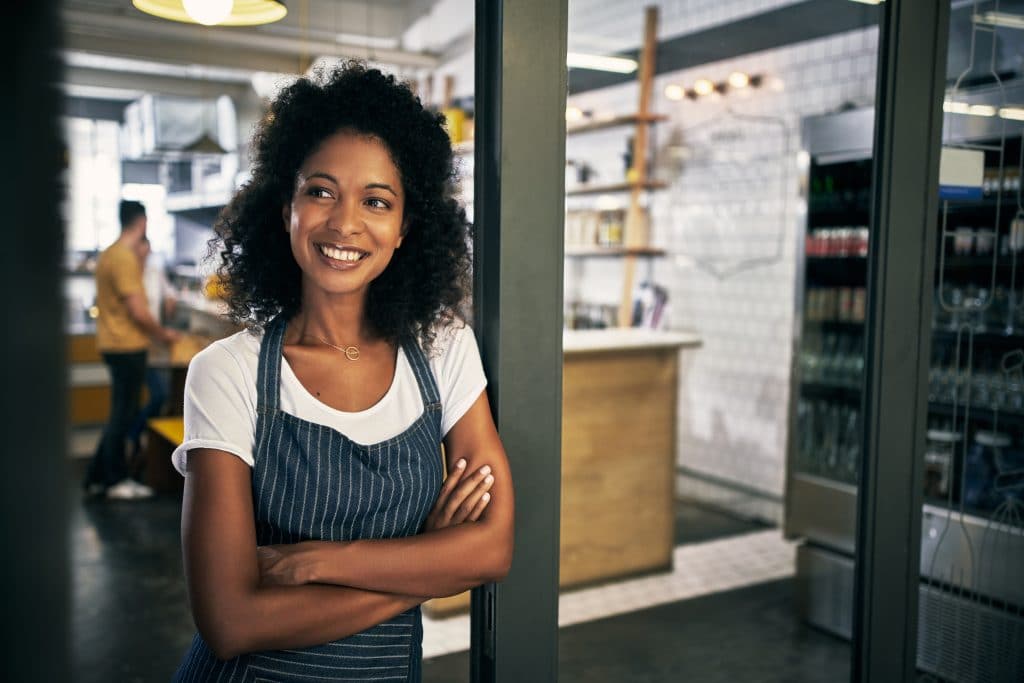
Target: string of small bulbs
[703,87]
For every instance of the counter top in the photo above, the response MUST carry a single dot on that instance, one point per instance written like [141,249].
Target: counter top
[618,339]
[201,304]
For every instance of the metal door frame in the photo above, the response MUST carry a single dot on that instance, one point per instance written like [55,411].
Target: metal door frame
[519,213]
[908,125]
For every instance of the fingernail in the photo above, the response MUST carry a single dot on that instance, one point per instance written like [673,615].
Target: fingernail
[460,464]
[486,469]
[489,479]
[486,497]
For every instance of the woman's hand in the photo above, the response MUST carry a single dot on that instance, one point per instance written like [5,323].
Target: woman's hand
[292,564]
[463,498]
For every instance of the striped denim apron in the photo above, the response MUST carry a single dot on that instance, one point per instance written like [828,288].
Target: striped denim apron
[311,482]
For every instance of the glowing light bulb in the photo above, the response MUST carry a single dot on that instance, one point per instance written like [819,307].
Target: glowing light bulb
[703,87]
[675,92]
[738,79]
[208,12]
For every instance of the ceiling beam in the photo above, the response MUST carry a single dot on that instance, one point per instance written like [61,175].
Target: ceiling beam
[92,82]
[155,40]
[129,46]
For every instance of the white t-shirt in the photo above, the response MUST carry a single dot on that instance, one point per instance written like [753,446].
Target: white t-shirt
[220,395]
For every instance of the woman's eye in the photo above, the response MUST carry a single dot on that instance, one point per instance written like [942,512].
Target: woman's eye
[377,203]
[319,192]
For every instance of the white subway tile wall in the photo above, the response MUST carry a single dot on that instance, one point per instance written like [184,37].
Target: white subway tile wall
[729,222]
[734,197]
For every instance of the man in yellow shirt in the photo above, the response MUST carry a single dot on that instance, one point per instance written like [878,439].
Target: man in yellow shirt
[124,329]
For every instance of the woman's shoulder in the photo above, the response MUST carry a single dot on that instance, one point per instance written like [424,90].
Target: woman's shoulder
[447,337]
[238,353]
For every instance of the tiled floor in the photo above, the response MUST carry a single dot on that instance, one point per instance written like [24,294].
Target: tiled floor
[699,569]
[726,608]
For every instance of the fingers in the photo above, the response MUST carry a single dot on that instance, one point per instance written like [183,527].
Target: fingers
[467,494]
[452,480]
[481,505]
[436,519]
[462,497]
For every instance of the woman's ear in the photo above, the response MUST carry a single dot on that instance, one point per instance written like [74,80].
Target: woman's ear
[286,214]
[403,232]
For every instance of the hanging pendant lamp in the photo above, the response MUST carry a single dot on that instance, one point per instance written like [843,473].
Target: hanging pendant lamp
[215,12]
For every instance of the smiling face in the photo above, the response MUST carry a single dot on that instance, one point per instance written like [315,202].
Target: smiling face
[346,215]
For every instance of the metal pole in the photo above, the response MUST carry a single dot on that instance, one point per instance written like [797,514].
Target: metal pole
[519,210]
[908,127]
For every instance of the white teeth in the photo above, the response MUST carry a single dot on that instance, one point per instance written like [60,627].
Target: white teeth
[340,254]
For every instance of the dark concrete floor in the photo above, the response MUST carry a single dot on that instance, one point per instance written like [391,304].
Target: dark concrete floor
[131,621]
[697,523]
[749,635]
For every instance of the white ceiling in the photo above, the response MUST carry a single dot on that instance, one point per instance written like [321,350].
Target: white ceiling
[113,50]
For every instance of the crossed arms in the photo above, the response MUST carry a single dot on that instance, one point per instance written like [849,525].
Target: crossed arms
[246,599]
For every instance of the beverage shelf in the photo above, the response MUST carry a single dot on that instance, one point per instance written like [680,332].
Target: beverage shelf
[830,392]
[977,414]
[984,339]
[836,272]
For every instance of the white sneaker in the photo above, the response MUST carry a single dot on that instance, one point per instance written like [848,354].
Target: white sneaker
[141,490]
[129,489]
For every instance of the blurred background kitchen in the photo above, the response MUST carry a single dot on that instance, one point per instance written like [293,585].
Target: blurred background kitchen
[718,190]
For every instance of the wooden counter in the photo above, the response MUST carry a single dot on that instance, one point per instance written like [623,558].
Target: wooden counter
[619,391]
[89,379]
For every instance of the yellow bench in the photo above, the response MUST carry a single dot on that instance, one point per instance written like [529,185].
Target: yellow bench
[165,434]
[171,428]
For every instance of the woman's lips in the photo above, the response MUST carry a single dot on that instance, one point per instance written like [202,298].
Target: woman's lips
[341,257]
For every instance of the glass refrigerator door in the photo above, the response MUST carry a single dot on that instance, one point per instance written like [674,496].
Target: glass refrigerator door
[825,438]
[971,610]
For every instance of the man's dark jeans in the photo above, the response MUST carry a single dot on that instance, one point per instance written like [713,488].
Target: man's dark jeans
[127,373]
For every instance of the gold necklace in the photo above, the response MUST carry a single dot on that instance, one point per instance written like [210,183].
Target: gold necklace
[351,352]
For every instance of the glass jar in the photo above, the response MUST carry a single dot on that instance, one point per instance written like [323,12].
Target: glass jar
[940,447]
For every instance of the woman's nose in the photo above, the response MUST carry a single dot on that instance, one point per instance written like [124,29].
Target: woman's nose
[346,218]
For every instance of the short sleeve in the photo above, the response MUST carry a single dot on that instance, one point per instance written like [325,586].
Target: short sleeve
[126,275]
[220,406]
[460,374]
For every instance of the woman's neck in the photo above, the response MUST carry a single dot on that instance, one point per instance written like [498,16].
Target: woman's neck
[338,321]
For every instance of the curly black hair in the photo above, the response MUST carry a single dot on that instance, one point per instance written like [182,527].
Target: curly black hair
[427,280]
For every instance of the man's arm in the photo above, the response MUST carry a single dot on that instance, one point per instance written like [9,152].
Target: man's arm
[138,309]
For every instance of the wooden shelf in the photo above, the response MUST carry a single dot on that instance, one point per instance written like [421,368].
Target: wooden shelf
[614,122]
[577,251]
[466,147]
[617,187]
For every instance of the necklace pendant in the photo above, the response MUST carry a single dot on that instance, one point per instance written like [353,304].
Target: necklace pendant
[351,352]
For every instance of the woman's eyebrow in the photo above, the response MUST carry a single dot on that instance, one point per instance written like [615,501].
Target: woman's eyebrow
[381,186]
[322,174]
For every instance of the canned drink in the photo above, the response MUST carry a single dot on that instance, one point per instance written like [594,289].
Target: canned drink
[857,309]
[963,241]
[845,308]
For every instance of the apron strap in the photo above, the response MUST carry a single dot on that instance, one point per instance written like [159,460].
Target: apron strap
[424,376]
[268,382]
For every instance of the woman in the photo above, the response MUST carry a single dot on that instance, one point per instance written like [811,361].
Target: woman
[315,521]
